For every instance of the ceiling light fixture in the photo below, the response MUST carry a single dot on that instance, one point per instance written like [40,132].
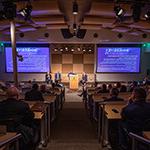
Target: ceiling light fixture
[119,11]
[147,15]
[26,12]
[75,8]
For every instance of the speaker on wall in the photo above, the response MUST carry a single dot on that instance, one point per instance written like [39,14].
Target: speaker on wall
[81,33]
[66,33]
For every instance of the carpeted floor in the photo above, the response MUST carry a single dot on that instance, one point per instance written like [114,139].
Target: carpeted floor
[73,130]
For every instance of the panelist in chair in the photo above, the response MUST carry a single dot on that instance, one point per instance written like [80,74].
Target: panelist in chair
[58,77]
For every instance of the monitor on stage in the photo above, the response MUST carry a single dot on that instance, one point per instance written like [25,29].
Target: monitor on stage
[34,58]
[118,59]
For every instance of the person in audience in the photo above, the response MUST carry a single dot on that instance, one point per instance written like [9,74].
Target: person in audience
[146,81]
[109,87]
[118,85]
[102,89]
[133,85]
[134,115]
[43,89]
[58,77]
[123,88]
[20,114]
[3,87]
[34,94]
[114,92]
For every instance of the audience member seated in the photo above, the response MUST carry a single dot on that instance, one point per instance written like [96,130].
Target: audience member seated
[146,81]
[123,88]
[3,87]
[118,85]
[43,89]
[20,115]
[134,115]
[114,92]
[34,94]
[109,87]
[132,86]
[103,89]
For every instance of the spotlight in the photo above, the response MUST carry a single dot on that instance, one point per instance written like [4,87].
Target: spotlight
[26,12]
[75,8]
[147,15]
[119,11]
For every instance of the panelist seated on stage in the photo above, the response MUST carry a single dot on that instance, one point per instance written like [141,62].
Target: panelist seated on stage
[48,78]
[34,94]
[58,77]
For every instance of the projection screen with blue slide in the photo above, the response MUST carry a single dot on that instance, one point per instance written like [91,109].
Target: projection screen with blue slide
[118,59]
[35,59]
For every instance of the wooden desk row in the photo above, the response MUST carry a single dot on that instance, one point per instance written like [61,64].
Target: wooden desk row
[8,138]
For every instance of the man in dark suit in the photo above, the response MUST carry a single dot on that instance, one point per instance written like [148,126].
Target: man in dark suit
[58,77]
[34,94]
[84,77]
[20,115]
[48,78]
[134,115]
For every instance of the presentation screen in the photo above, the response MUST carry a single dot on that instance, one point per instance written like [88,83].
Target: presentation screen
[118,59]
[35,59]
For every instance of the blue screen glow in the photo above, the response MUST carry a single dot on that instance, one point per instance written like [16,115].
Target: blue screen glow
[118,59]
[35,59]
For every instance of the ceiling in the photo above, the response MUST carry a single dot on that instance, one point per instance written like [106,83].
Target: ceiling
[93,15]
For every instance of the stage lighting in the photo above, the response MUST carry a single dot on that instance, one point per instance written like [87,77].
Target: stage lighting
[26,12]
[136,11]
[75,8]
[119,11]
[147,15]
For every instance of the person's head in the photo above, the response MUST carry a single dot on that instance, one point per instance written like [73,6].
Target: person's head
[12,92]
[123,88]
[35,86]
[139,94]
[118,85]
[109,86]
[104,86]
[43,88]
[114,92]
